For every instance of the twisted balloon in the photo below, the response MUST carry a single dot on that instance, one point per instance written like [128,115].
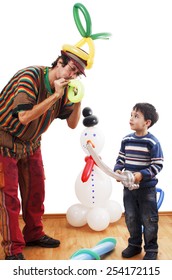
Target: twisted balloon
[87,35]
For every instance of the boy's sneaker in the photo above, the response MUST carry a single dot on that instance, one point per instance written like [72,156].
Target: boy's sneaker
[131,251]
[150,256]
[15,257]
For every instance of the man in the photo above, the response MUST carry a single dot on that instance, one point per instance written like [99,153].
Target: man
[31,100]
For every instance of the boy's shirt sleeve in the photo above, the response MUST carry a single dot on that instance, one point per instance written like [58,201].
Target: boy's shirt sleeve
[156,164]
[120,161]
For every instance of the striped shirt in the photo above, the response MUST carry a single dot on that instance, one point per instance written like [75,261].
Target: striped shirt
[26,89]
[141,154]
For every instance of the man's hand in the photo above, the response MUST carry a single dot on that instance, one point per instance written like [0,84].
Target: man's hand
[59,85]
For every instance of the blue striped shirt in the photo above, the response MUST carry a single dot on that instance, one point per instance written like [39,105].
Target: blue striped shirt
[141,154]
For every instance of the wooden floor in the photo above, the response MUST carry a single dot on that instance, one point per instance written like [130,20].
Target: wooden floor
[73,239]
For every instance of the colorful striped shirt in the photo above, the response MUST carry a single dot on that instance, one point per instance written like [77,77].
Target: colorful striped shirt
[26,89]
[141,154]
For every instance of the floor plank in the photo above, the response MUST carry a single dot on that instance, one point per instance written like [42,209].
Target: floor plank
[73,239]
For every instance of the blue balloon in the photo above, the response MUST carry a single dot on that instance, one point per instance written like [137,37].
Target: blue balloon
[104,246]
[161,197]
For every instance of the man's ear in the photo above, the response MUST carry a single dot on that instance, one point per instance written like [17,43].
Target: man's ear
[60,62]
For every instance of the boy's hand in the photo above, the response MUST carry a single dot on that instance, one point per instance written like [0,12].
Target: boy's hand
[137,177]
[119,172]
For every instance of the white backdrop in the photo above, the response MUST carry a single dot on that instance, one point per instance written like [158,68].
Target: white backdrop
[135,65]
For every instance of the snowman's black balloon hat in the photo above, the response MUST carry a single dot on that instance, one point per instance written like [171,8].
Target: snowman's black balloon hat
[89,118]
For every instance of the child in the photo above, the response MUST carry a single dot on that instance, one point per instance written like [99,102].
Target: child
[141,154]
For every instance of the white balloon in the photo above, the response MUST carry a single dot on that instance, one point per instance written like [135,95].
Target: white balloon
[76,215]
[114,209]
[95,135]
[96,190]
[98,218]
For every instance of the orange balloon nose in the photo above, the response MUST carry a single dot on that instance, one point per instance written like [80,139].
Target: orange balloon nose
[90,142]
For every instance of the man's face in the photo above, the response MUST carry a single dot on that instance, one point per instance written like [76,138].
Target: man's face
[69,71]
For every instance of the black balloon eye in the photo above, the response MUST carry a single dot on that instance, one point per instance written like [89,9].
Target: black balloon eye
[85,134]
[94,135]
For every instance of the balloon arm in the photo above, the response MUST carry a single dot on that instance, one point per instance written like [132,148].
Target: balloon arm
[102,165]
[126,178]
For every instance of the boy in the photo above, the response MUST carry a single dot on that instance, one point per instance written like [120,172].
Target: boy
[141,154]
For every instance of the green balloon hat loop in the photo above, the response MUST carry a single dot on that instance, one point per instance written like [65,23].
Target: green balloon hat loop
[87,36]
[76,89]
[86,33]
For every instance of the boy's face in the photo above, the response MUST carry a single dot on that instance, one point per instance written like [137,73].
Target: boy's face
[138,122]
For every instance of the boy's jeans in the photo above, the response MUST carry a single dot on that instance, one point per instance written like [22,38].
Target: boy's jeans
[141,216]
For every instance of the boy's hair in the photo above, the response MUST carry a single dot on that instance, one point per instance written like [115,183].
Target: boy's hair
[149,112]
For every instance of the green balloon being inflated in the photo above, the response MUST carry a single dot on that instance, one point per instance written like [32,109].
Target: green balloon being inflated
[75,91]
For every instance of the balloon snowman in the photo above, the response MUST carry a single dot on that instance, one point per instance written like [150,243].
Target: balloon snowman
[93,187]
